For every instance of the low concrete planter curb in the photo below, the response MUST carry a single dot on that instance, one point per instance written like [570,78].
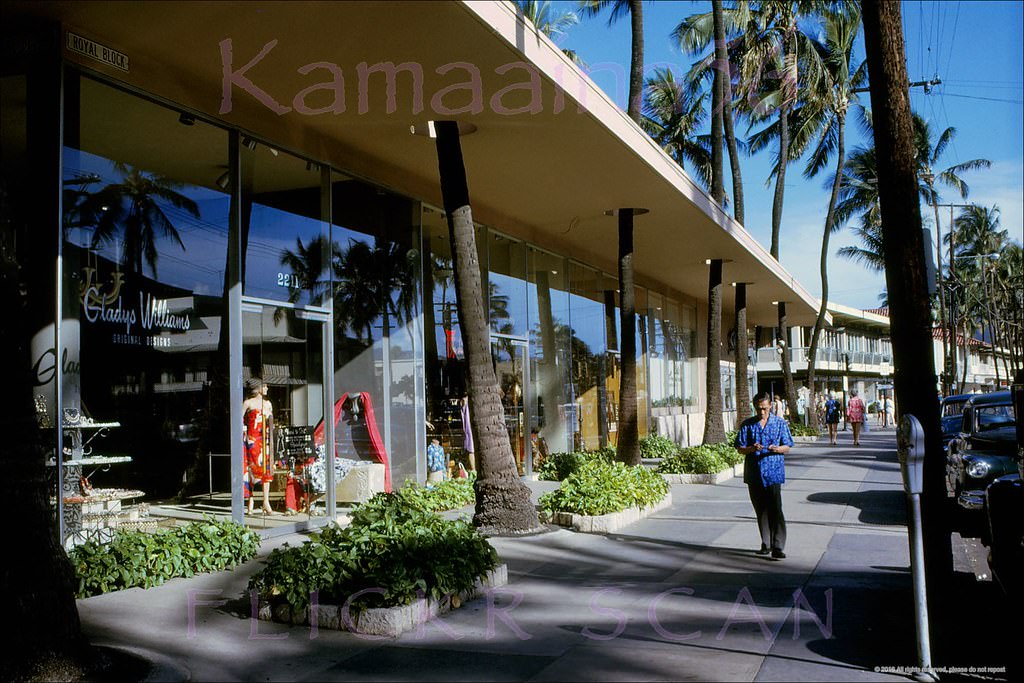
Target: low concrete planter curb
[716,478]
[604,524]
[805,439]
[383,621]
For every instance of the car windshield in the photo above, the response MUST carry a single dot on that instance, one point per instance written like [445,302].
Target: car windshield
[993,417]
[953,408]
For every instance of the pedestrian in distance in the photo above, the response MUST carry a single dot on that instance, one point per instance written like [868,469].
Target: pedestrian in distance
[832,412]
[765,439]
[855,411]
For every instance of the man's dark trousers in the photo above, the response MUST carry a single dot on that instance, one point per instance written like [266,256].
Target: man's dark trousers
[767,502]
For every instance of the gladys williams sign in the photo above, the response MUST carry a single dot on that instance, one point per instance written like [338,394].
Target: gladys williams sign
[136,319]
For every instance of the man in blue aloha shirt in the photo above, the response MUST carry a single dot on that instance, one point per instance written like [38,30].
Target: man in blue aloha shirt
[765,439]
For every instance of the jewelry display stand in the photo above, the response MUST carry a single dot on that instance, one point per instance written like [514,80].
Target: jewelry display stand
[93,514]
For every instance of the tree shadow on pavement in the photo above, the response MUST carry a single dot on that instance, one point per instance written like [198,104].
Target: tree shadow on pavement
[877,506]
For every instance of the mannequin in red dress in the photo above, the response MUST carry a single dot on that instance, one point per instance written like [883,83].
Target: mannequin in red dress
[258,414]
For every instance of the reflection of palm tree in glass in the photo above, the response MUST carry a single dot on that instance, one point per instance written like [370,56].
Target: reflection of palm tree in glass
[370,282]
[76,191]
[132,209]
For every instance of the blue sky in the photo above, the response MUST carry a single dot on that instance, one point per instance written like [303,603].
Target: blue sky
[975,48]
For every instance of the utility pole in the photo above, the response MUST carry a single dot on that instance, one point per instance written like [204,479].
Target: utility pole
[929,178]
[903,249]
[948,361]
[916,84]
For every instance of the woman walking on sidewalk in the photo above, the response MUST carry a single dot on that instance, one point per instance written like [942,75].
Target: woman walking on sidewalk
[765,439]
[832,412]
[855,415]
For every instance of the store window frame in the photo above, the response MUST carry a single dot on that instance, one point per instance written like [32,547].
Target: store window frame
[235,301]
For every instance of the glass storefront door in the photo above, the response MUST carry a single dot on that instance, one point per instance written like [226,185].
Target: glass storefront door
[510,368]
[283,411]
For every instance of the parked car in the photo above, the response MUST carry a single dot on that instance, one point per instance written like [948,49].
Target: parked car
[1004,510]
[984,449]
[951,413]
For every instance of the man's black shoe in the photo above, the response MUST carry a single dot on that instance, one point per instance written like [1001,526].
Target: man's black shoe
[778,554]
[763,551]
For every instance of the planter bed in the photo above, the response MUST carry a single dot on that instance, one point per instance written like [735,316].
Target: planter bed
[603,524]
[715,478]
[383,621]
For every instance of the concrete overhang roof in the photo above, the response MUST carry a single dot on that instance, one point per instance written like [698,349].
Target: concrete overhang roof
[547,173]
[847,315]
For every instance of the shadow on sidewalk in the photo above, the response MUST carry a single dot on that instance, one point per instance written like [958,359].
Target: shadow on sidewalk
[880,507]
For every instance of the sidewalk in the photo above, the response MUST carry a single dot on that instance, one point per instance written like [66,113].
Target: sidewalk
[678,596]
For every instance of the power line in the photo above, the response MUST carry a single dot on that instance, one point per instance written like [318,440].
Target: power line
[978,97]
[952,42]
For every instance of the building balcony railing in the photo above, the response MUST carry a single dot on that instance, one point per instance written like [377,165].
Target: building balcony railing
[827,359]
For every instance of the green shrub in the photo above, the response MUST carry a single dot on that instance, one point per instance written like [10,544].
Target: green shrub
[704,459]
[655,446]
[139,559]
[599,487]
[731,436]
[450,494]
[558,466]
[403,550]
[800,429]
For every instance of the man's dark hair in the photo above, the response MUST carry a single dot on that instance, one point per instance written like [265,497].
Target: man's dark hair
[762,396]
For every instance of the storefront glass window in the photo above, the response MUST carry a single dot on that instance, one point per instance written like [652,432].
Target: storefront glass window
[284,235]
[507,285]
[642,405]
[587,344]
[284,243]
[375,262]
[552,411]
[145,249]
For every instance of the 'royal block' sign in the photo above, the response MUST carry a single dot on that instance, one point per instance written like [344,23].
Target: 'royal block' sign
[93,50]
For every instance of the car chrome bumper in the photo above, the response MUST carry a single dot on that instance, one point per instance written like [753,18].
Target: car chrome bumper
[971,500]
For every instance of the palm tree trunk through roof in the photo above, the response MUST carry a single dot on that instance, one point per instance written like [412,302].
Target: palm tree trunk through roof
[714,429]
[627,447]
[503,504]
[743,405]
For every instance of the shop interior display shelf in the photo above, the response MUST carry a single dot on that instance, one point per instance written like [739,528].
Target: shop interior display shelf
[93,460]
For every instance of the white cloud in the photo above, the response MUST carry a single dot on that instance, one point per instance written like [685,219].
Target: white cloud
[850,283]
[1001,185]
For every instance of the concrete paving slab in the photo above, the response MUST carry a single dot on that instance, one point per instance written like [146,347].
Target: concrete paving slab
[607,607]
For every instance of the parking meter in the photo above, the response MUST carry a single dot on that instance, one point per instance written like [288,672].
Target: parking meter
[910,442]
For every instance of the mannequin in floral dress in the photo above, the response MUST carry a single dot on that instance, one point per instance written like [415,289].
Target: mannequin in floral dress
[258,414]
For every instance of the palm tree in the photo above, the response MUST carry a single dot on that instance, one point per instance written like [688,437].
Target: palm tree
[544,19]
[694,35]
[772,50]
[618,9]
[132,209]
[672,118]
[503,502]
[978,234]
[1008,275]
[858,194]
[722,58]
[828,109]
[929,154]
[628,443]
[906,280]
